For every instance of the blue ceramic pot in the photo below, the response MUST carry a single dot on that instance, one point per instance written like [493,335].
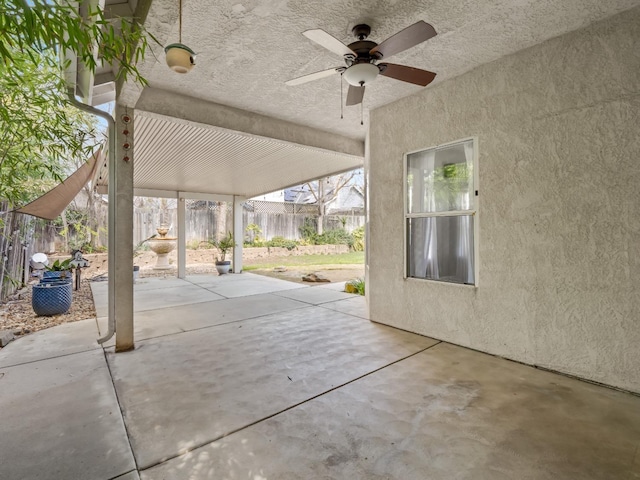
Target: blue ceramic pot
[51,274]
[56,280]
[51,298]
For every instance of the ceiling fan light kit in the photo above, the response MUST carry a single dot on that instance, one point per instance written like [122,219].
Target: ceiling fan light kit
[362,56]
[179,57]
[361,74]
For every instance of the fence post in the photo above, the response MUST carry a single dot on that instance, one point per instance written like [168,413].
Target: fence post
[26,264]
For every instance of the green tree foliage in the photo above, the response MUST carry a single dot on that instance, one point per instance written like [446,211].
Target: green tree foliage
[40,131]
[33,26]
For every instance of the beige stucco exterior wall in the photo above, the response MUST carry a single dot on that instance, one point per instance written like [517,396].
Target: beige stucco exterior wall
[558,128]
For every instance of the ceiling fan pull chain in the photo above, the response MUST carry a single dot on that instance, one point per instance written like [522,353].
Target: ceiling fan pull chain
[180,22]
[361,113]
[341,103]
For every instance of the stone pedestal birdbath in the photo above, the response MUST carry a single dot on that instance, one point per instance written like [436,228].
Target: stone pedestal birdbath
[161,246]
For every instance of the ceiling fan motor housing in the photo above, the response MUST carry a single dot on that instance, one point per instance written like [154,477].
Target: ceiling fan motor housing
[362,69]
[361,31]
[362,49]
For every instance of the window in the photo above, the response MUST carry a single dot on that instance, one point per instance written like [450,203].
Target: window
[440,208]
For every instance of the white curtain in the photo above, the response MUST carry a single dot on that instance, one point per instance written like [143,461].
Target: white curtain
[441,247]
[423,239]
[464,252]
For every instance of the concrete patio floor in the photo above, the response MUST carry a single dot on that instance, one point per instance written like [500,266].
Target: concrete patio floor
[250,377]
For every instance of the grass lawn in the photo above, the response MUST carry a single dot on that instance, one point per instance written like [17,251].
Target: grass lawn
[351,258]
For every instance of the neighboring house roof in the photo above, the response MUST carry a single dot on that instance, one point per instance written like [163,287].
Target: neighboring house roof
[349,198]
[299,194]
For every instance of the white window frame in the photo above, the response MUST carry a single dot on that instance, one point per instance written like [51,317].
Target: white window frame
[473,212]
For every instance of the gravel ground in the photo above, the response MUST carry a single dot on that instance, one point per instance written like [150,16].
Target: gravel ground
[17,315]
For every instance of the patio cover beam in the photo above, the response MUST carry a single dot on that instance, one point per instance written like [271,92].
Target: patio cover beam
[183,107]
[149,192]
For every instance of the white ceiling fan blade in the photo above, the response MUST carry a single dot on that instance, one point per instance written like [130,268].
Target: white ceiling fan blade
[329,42]
[312,76]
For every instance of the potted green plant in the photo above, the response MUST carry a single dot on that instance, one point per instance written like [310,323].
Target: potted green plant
[223,245]
[59,269]
[54,293]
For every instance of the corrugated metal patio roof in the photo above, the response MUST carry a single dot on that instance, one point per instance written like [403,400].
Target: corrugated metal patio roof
[177,155]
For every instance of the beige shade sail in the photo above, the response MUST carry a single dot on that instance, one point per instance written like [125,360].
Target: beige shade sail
[52,203]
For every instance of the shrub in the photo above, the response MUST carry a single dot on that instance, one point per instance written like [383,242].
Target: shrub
[282,242]
[308,229]
[355,286]
[253,238]
[358,239]
[339,236]
[193,244]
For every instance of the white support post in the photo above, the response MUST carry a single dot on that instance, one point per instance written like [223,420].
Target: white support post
[367,203]
[238,233]
[182,237]
[121,231]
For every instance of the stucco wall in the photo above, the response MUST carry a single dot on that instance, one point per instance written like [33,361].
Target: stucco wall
[558,130]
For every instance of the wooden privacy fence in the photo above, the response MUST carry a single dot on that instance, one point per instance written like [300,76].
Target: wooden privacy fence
[20,237]
[16,232]
[205,220]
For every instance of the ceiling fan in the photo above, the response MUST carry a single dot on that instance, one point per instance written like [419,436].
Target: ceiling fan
[362,56]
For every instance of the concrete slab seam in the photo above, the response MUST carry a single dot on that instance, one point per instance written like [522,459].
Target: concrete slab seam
[204,288]
[357,316]
[120,475]
[50,358]
[226,323]
[574,377]
[220,437]
[124,424]
[212,290]
[303,301]
[190,303]
[530,365]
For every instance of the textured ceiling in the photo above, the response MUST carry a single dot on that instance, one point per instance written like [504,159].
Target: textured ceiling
[248,49]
